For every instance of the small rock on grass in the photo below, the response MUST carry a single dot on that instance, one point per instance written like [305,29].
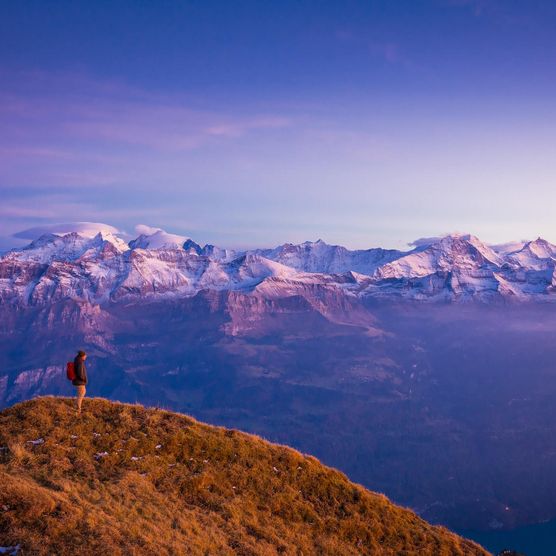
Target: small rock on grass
[35,443]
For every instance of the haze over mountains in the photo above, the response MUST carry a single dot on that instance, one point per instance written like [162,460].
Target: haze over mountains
[103,268]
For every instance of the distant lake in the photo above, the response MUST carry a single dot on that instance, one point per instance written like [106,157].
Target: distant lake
[532,540]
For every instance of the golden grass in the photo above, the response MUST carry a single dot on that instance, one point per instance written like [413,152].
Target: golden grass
[193,489]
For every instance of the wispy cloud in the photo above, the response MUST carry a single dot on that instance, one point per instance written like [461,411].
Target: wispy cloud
[425,241]
[44,211]
[7,153]
[163,127]
[42,207]
[83,228]
[41,119]
[75,132]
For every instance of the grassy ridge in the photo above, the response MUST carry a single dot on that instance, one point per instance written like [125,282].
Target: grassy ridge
[123,479]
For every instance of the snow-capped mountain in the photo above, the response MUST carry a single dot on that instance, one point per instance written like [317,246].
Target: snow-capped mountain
[454,266]
[320,257]
[104,269]
[534,255]
[158,240]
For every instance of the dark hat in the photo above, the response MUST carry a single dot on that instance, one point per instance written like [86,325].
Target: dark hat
[81,353]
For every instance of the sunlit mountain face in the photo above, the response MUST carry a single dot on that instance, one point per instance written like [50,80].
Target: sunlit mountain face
[101,269]
[427,374]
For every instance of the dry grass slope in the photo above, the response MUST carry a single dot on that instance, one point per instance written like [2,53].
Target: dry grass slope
[125,480]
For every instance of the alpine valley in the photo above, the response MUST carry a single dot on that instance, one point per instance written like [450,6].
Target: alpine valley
[427,375]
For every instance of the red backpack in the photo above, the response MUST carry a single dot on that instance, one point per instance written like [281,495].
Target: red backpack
[70,370]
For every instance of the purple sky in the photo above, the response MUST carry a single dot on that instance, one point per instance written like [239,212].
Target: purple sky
[254,123]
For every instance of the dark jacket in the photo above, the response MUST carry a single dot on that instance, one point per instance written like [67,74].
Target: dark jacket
[80,372]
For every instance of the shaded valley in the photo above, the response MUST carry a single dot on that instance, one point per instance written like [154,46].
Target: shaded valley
[445,408]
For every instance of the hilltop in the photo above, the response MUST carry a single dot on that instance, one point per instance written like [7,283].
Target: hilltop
[129,480]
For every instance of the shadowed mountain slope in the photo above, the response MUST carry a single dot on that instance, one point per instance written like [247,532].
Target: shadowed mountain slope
[123,479]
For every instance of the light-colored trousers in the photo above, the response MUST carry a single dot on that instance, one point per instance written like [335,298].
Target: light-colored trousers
[80,394]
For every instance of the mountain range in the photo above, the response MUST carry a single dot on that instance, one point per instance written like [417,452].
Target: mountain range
[104,269]
[427,375]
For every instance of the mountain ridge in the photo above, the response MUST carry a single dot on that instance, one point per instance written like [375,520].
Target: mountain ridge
[102,269]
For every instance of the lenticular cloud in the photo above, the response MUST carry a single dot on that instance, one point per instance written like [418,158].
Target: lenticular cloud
[87,229]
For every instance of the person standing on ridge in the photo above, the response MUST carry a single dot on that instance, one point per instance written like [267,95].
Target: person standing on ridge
[80,379]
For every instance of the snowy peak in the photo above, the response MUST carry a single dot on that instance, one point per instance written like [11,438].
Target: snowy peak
[158,240]
[536,255]
[218,253]
[103,239]
[459,248]
[540,248]
[102,268]
[321,257]
[455,252]
[50,247]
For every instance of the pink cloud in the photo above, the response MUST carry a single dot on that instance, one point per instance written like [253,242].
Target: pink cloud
[88,229]
[49,205]
[112,113]
[238,129]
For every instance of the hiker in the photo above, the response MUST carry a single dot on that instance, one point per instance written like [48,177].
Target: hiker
[80,379]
